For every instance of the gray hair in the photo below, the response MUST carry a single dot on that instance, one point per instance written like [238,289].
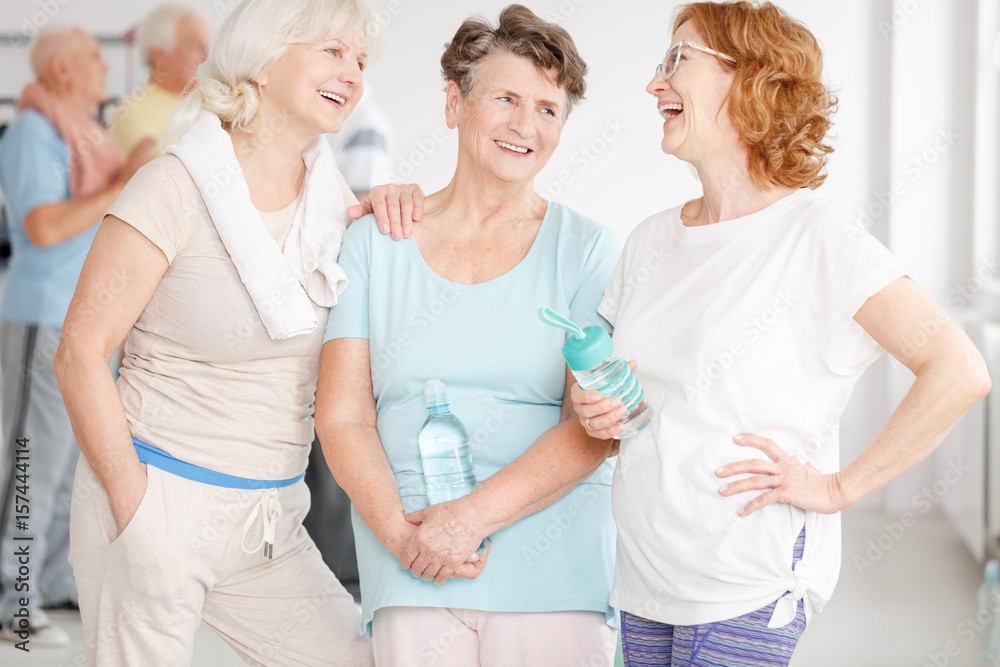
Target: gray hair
[45,45]
[159,30]
[519,32]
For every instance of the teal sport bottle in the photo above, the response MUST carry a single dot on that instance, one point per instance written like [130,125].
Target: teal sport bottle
[590,355]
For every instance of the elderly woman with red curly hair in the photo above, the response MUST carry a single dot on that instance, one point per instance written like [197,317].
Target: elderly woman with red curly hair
[752,311]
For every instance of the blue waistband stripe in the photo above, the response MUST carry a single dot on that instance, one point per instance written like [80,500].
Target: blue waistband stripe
[160,459]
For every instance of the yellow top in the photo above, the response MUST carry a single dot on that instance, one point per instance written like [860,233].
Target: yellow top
[145,114]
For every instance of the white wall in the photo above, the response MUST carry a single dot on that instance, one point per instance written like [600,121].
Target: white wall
[886,112]
[622,42]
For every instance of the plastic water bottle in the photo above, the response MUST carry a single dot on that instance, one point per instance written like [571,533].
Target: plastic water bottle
[590,355]
[444,449]
[989,602]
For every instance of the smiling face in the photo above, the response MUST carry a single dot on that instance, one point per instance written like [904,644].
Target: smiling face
[510,123]
[693,102]
[314,87]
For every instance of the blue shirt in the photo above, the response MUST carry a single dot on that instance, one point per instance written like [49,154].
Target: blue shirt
[505,378]
[34,171]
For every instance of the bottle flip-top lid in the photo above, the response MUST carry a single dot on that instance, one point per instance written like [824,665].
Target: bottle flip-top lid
[586,348]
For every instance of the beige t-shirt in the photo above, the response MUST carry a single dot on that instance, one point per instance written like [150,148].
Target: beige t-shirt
[201,378]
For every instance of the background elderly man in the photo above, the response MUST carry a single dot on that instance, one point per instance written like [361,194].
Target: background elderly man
[173,41]
[59,172]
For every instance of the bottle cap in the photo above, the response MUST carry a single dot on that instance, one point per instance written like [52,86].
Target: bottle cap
[992,571]
[591,351]
[588,348]
[435,393]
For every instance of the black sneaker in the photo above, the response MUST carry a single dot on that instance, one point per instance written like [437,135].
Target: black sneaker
[65,605]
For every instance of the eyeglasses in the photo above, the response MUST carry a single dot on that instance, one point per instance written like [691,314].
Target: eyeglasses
[674,56]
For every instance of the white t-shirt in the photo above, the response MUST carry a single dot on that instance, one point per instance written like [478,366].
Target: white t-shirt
[742,326]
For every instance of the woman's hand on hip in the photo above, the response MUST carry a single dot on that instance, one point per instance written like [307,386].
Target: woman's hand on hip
[785,478]
[599,416]
[396,208]
[445,542]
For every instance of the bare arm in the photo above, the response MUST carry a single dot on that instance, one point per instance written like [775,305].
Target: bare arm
[118,279]
[346,422]
[346,426]
[950,377]
[554,465]
[50,224]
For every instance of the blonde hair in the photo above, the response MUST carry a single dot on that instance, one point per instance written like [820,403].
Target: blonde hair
[256,35]
[778,102]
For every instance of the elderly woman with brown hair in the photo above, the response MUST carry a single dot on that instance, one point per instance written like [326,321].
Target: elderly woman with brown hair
[427,308]
[752,335]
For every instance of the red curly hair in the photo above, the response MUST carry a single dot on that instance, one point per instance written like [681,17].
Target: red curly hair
[778,103]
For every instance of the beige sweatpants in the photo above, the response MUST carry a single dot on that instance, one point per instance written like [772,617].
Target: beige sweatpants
[444,637]
[180,561]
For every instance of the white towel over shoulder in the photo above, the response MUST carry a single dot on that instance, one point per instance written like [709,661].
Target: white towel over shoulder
[280,282]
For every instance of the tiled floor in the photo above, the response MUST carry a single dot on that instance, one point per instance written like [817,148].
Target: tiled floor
[901,612]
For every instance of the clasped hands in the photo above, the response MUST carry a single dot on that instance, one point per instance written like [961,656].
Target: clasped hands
[443,540]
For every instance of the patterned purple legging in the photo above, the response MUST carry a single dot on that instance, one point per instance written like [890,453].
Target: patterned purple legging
[745,641]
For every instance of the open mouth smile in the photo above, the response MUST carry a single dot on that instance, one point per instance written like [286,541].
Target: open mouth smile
[520,150]
[670,110]
[333,97]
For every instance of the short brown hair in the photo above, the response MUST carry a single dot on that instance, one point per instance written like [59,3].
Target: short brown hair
[777,102]
[521,33]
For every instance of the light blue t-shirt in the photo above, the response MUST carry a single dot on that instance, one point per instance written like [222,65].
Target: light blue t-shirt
[505,378]
[34,171]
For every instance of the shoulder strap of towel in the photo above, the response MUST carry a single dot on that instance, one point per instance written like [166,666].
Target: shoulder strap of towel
[280,285]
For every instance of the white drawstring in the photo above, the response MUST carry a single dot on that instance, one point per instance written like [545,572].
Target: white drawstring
[270,509]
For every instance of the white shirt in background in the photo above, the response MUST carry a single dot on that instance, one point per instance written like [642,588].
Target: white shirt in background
[364,149]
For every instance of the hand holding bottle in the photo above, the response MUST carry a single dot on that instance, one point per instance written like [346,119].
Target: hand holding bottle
[591,357]
[601,417]
[437,550]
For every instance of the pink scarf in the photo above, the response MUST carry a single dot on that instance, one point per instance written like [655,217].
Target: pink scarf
[94,159]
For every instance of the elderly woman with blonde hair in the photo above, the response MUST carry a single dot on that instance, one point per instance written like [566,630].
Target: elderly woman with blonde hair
[750,339]
[218,264]
[430,308]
